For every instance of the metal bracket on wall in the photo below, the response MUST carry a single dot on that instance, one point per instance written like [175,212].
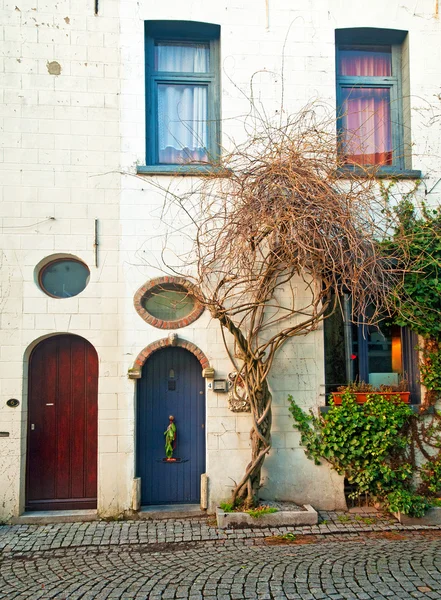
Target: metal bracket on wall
[96,243]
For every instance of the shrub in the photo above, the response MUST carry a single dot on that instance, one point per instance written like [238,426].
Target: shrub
[405,501]
[366,443]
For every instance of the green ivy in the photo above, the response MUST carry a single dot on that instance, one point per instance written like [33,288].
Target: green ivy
[418,298]
[430,473]
[373,444]
[430,370]
[366,443]
[404,501]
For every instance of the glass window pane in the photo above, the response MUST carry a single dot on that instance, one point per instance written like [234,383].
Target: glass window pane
[366,125]
[64,278]
[365,61]
[381,345]
[177,57]
[169,304]
[182,123]
[335,351]
[384,355]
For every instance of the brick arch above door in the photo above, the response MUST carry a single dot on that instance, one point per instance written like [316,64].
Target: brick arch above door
[171,340]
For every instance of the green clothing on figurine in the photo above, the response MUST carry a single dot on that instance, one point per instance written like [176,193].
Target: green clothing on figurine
[170,436]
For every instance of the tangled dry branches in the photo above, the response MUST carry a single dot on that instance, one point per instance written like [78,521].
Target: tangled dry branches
[277,239]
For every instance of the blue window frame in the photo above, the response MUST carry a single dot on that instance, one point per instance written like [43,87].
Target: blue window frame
[182,96]
[370,99]
[378,354]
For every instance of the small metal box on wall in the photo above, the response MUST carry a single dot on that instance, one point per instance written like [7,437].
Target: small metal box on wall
[221,385]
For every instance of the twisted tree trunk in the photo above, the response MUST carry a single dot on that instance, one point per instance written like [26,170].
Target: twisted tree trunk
[260,400]
[254,376]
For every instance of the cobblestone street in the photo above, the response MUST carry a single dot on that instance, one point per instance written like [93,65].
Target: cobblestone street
[357,558]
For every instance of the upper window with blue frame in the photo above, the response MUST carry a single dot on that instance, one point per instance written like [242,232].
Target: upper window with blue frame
[370,98]
[182,80]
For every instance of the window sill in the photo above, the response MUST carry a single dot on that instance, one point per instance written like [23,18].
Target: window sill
[183,170]
[378,172]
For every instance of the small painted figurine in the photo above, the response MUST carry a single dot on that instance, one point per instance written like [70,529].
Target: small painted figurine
[170,437]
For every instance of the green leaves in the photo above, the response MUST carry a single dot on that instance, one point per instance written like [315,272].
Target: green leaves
[430,369]
[404,501]
[417,298]
[367,443]
[430,473]
[370,444]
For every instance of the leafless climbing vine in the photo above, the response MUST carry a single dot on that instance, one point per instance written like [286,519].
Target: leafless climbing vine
[277,236]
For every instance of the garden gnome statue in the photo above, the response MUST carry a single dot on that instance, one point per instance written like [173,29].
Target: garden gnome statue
[170,437]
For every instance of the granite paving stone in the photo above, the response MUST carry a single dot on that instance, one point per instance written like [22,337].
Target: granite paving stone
[350,559]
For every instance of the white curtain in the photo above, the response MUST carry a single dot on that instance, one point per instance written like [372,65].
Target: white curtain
[182,108]
[182,58]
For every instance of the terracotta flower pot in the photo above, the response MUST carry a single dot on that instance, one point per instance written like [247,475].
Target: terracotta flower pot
[361,397]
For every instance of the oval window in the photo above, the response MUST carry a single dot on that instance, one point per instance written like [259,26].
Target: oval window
[169,302]
[64,278]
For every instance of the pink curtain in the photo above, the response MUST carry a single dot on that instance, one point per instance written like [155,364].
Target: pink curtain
[365,63]
[366,119]
[366,126]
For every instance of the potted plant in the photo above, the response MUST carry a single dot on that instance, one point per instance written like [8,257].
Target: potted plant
[362,391]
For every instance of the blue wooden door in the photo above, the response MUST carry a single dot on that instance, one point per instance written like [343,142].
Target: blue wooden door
[171,384]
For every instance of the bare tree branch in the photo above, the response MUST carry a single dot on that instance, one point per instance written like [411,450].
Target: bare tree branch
[276,241]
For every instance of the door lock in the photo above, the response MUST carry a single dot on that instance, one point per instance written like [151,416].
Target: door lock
[32,427]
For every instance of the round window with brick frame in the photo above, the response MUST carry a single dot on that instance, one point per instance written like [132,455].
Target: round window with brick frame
[168,303]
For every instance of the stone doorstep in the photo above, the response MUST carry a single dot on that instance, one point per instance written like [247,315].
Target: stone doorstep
[170,511]
[45,517]
[432,517]
[282,518]
[360,510]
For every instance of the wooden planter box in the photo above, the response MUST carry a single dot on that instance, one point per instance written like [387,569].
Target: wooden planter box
[362,397]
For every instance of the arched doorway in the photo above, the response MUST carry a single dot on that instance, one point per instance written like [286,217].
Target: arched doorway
[171,384]
[61,465]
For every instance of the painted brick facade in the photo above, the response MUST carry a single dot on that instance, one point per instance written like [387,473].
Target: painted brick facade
[72,117]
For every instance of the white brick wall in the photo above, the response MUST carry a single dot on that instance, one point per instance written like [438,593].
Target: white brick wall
[69,144]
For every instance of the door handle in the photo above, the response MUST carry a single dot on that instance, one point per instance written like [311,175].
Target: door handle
[32,427]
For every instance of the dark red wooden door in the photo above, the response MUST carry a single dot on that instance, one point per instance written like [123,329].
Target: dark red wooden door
[62,425]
